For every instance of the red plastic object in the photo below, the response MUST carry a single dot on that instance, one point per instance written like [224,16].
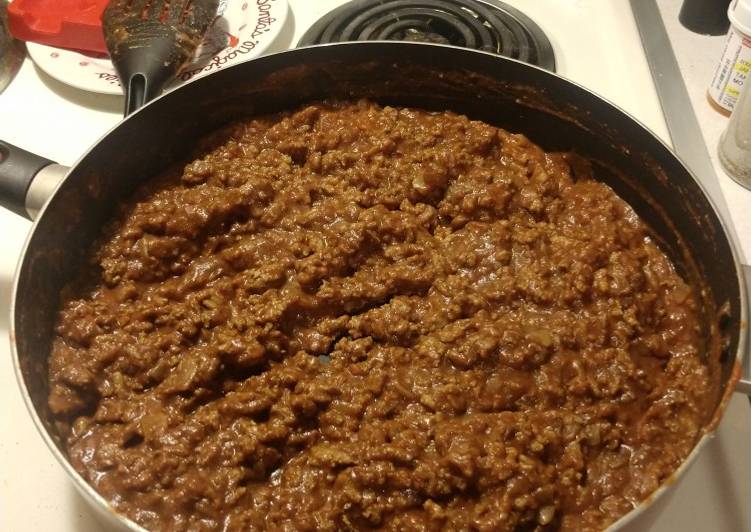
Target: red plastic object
[72,24]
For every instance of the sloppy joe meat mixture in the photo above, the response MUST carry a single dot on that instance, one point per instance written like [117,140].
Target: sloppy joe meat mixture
[355,317]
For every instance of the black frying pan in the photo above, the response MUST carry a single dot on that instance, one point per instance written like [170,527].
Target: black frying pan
[553,112]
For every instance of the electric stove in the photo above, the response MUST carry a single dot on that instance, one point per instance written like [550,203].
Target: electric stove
[595,43]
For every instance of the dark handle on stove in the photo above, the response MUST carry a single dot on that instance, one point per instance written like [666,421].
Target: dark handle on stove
[707,17]
[17,170]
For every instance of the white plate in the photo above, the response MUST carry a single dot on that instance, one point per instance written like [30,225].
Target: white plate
[243,30]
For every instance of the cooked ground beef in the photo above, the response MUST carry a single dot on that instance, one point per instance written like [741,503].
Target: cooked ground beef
[353,317]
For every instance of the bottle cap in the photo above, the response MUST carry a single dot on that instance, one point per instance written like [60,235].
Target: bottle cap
[739,14]
[707,17]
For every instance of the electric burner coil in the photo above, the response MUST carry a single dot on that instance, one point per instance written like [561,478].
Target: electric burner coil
[486,25]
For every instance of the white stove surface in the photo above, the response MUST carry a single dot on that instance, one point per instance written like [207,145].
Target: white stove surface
[596,44]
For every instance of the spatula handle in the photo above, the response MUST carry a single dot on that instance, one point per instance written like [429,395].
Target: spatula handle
[145,69]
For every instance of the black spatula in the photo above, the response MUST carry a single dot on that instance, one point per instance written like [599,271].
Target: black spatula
[149,41]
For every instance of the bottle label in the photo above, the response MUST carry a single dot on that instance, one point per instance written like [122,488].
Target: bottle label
[732,71]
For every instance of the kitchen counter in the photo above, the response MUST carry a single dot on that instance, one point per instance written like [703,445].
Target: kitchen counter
[698,56]
[35,494]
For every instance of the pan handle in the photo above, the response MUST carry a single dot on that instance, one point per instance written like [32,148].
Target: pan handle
[26,180]
[744,385]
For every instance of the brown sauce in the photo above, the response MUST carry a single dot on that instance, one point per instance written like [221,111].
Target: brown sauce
[353,317]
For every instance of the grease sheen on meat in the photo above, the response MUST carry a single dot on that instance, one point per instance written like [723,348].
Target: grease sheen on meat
[354,317]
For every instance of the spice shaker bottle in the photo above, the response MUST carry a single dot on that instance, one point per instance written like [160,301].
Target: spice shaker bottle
[735,62]
[735,143]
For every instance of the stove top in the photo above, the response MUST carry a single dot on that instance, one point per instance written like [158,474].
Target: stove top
[487,25]
[604,54]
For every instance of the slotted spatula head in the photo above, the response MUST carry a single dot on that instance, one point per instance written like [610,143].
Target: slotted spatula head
[149,41]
